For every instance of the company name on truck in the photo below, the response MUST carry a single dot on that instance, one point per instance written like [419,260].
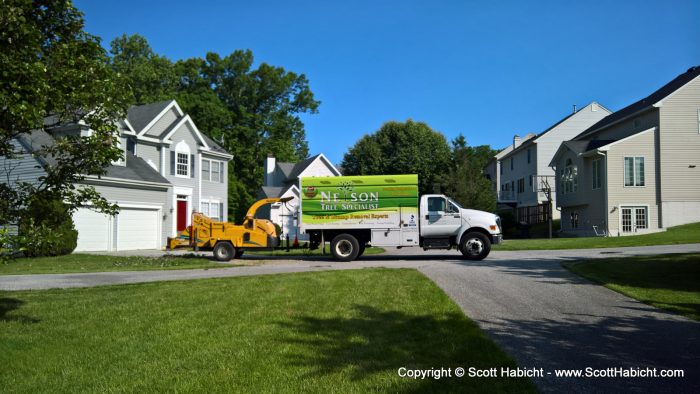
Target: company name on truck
[345,199]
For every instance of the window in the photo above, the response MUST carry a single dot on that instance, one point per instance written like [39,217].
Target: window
[574,220]
[569,178]
[183,164]
[436,204]
[521,185]
[634,171]
[634,218]
[212,170]
[212,209]
[528,156]
[597,173]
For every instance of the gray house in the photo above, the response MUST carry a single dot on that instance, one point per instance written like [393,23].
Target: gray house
[524,171]
[635,171]
[169,170]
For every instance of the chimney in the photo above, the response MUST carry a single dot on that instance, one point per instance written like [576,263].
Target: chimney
[269,169]
[574,108]
[516,141]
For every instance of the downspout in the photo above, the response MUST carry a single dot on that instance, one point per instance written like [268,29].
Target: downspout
[605,183]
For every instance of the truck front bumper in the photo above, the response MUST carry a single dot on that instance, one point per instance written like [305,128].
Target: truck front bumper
[497,239]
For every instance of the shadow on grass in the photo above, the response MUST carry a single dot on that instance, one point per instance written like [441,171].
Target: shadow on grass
[374,341]
[8,305]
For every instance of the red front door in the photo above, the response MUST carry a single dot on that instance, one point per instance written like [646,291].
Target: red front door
[181,215]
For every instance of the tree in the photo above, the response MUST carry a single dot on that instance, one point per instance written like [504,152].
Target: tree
[465,181]
[53,74]
[401,148]
[150,77]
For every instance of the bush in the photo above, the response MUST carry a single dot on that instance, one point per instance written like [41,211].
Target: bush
[46,229]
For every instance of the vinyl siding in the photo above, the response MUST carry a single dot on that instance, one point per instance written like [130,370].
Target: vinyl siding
[163,123]
[643,144]
[149,152]
[679,144]
[521,169]
[627,128]
[216,190]
[579,197]
[184,133]
[548,144]
[22,168]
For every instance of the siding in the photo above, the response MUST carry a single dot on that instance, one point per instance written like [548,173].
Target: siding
[183,133]
[149,152]
[627,128]
[216,190]
[521,169]
[619,195]
[23,168]
[163,123]
[548,144]
[316,168]
[679,144]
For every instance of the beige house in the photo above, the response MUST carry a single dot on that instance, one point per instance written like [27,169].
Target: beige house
[523,169]
[636,171]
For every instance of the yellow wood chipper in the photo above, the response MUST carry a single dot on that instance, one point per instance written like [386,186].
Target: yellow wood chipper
[228,240]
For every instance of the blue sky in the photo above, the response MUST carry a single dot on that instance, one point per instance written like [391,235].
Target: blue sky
[486,69]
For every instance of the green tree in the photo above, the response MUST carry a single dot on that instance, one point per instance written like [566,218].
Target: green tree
[150,77]
[53,74]
[465,181]
[401,148]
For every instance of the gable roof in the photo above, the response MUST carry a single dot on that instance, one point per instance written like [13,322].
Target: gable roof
[645,103]
[135,169]
[578,147]
[139,116]
[291,171]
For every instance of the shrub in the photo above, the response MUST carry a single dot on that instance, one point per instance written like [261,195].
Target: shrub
[46,229]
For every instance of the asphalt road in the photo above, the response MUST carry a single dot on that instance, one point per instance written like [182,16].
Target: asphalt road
[538,312]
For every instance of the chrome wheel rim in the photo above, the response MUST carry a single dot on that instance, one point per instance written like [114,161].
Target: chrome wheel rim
[343,248]
[474,246]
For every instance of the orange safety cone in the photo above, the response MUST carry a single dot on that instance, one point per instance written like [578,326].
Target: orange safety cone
[296,242]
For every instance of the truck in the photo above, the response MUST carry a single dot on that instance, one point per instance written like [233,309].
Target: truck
[228,240]
[352,212]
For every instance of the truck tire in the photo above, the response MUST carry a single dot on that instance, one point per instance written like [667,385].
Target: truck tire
[475,246]
[362,250]
[344,247]
[223,251]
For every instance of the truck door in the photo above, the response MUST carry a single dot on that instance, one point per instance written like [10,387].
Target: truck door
[441,219]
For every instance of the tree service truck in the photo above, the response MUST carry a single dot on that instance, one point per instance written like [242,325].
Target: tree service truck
[386,210]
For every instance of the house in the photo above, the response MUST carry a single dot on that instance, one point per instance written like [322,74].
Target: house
[169,170]
[524,173]
[635,171]
[282,180]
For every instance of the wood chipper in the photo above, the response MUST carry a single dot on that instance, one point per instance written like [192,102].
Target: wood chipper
[228,240]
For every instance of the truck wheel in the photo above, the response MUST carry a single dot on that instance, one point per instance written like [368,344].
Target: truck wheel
[223,251]
[344,247]
[475,246]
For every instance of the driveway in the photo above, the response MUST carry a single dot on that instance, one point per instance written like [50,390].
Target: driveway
[537,311]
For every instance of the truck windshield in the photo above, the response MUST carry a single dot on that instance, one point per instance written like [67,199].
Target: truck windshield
[452,202]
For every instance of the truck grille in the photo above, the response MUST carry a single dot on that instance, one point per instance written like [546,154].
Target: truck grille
[498,223]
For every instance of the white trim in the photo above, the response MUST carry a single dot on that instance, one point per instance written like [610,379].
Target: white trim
[163,154]
[182,148]
[184,191]
[619,218]
[226,156]
[327,164]
[199,177]
[179,124]
[131,128]
[605,148]
[634,172]
[150,139]
[160,115]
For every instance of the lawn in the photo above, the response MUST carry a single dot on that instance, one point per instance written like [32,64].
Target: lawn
[667,281]
[340,331]
[96,263]
[689,233]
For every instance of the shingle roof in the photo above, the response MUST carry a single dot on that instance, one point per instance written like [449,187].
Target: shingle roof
[213,145]
[141,115]
[35,140]
[135,169]
[644,103]
[301,166]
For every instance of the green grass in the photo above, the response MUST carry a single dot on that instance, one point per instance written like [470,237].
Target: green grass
[308,252]
[689,233]
[667,281]
[97,263]
[340,331]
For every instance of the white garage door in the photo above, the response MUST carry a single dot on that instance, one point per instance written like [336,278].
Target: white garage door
[138,229]
[93,230]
